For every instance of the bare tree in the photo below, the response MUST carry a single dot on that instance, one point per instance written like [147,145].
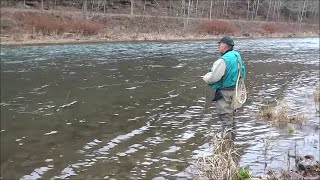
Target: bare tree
[248,9]
[253,10]
[316,11]
[188,13]
[301,14]
[257,8]
[144,7]
[274,9]
[170,7]
[217,8]
[203,4]
[290,13]
[269,6]
[55,4]
[131,12]
[191,8]
[279,9]
[210,9]
[224,5]
[42,6]
[98,7]
[197,8]
[85,8]
[227,6]
[182,8]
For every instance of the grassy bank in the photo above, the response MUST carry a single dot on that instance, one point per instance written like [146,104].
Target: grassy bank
[28,27]
[224,164]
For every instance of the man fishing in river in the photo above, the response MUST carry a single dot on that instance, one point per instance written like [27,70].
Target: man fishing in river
[224,77]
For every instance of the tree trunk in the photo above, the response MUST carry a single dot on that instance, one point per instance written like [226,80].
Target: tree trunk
[316,10]
[131,11]
[269,10]
[302,12]
[279,10]
[305,10]
[253,10]
[217,7]
[257,8]
[182,8]
[144,7]
[190,8]
[311,10]
[203,2]
[188,13]
[98,8]
[248,10]
[55,4]
[274,9]
[85,8]
[42,6]
[290,14]
[197,8]
[227,6]
[223,9]
[170,7]
[210,9]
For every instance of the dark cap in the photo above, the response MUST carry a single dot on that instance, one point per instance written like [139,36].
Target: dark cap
[227,40]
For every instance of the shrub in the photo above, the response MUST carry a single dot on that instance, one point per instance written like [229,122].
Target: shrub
[45,24]
[49,24]
[274,27]
[85,27]
[8,23]
[242,173]
[217,27]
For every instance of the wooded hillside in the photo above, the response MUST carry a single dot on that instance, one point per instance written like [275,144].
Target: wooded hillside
[121,20]
[262,10]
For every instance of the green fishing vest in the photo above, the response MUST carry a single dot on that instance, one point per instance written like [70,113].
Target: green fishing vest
[229,79]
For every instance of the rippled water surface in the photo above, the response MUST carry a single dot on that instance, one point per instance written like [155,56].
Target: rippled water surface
[139,110]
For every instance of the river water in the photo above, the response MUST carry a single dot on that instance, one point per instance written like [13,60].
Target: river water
[141,111]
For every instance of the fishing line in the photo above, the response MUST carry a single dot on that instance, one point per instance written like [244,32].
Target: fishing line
[143,82]
[155,81]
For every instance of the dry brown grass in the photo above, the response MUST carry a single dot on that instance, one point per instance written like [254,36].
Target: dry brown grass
[279,114]
[47,24]
[223,163]
[217,27]
[8,23]
[58,26]
[277,27]
[273,27]
[85,27]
